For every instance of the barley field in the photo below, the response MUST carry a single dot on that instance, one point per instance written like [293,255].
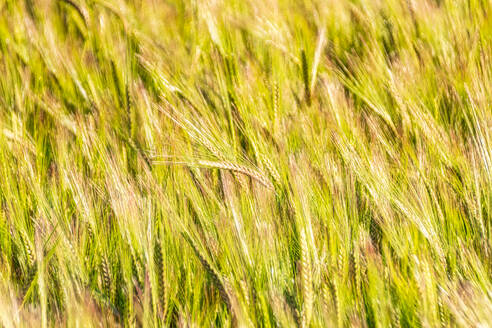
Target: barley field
[245,163]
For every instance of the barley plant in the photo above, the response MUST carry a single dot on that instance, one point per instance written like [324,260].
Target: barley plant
[245,163]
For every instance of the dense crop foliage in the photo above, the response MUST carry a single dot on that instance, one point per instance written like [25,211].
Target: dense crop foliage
[318,163]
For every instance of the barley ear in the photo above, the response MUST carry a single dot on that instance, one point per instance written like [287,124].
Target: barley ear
[161,280]
[305,77]
[105,275]
[252,173]
[306,281]
[217,280]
